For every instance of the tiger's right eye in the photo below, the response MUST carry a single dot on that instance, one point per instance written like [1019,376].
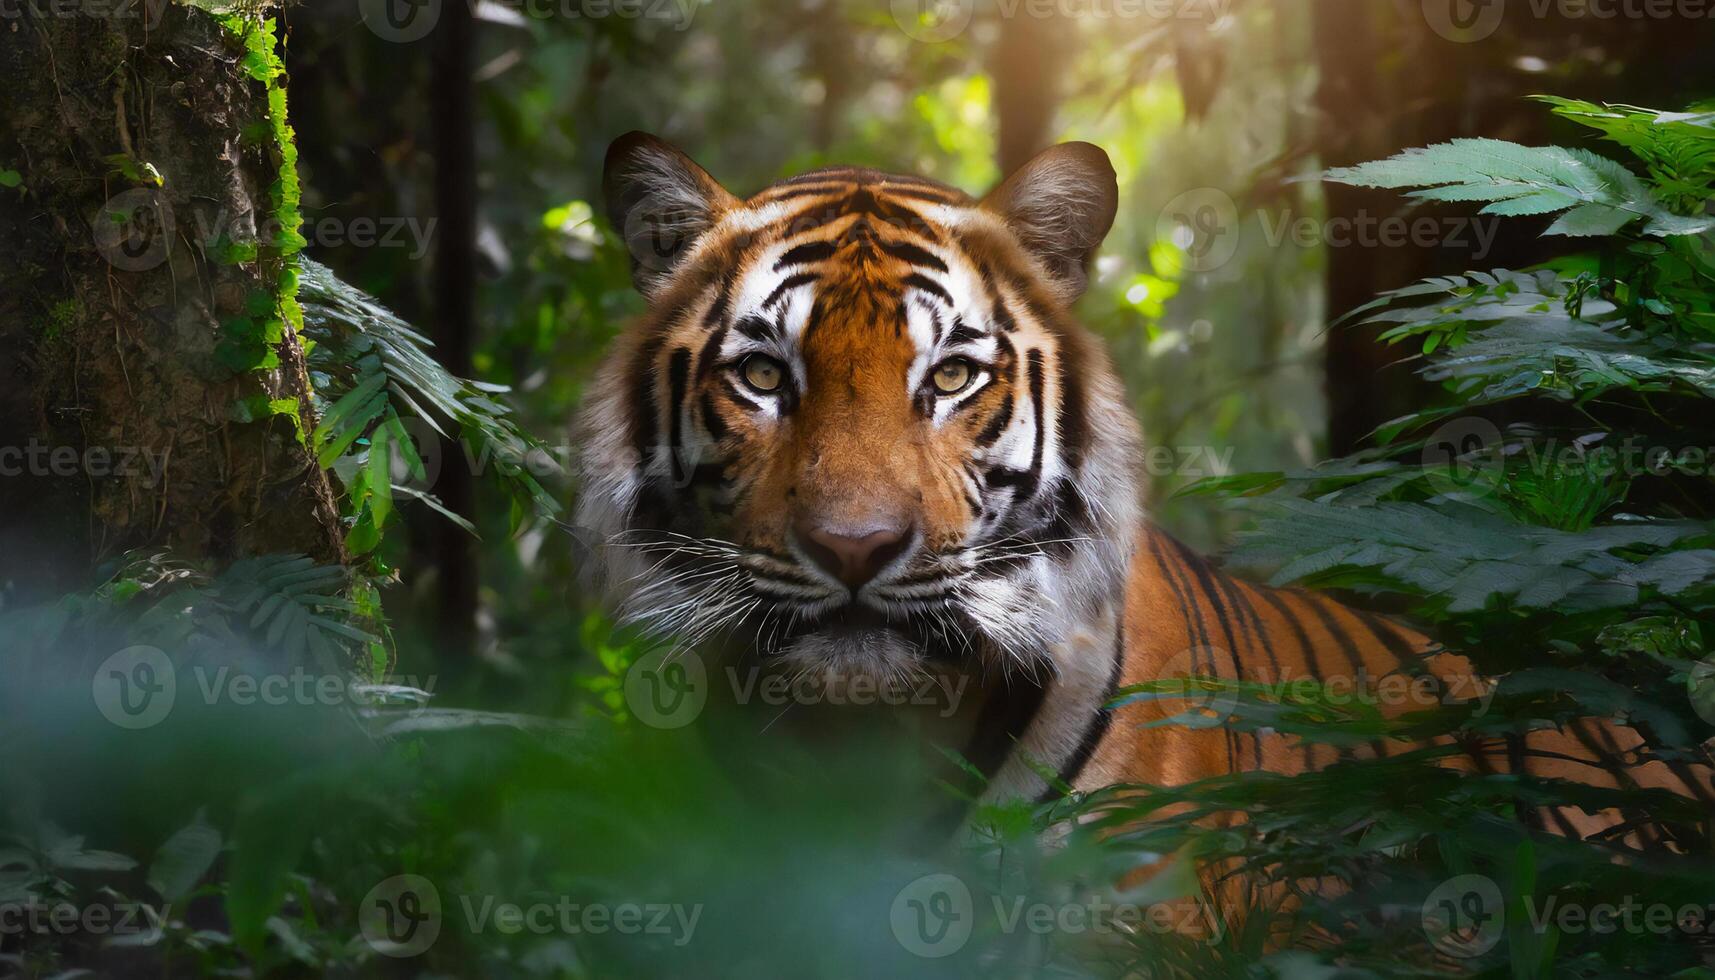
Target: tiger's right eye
[763,373]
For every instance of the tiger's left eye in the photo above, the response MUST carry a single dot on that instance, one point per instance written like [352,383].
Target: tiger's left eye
[952,375]
[762,373]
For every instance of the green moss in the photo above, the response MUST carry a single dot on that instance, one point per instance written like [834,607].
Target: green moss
[249,342]
[61,317]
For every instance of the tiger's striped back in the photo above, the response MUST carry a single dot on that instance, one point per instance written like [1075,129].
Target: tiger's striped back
[1187,618]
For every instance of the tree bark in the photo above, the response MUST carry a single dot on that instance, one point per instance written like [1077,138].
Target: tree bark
[455,316]
[1028,63]
[144,151]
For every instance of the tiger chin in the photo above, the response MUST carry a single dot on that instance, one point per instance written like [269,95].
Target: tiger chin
[858,436]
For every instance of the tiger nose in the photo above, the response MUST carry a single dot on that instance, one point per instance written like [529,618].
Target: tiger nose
[853,560]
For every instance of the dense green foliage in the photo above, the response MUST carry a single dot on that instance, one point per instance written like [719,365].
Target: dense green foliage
[1568,554]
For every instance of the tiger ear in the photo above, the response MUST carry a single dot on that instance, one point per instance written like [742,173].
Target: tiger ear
[1060,204]
[660,202]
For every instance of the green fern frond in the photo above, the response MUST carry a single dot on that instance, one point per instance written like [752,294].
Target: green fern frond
[372,373]
[1594,195]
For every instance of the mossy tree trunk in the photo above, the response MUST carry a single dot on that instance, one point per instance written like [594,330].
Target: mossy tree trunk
[153,393]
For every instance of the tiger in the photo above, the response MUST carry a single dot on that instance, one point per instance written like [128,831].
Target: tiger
[858,433]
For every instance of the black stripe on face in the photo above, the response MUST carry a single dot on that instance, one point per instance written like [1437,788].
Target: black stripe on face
[1026,480]
[756,328]
[710,353]
[810,190]
[923,194]
[963,333]
[645,424]
[934,315]
[723,301]
[907,252]
[862,201]
[678,373]
[789,283]
[1033,373]
[712,419]
[927,285]
[1073,421]
[996,423]
[1025,286]
[738,397]
[801,254]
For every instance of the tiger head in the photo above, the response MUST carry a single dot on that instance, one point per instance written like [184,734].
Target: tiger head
[857,431]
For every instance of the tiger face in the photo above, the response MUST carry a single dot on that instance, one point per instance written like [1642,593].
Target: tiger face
[856,432]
